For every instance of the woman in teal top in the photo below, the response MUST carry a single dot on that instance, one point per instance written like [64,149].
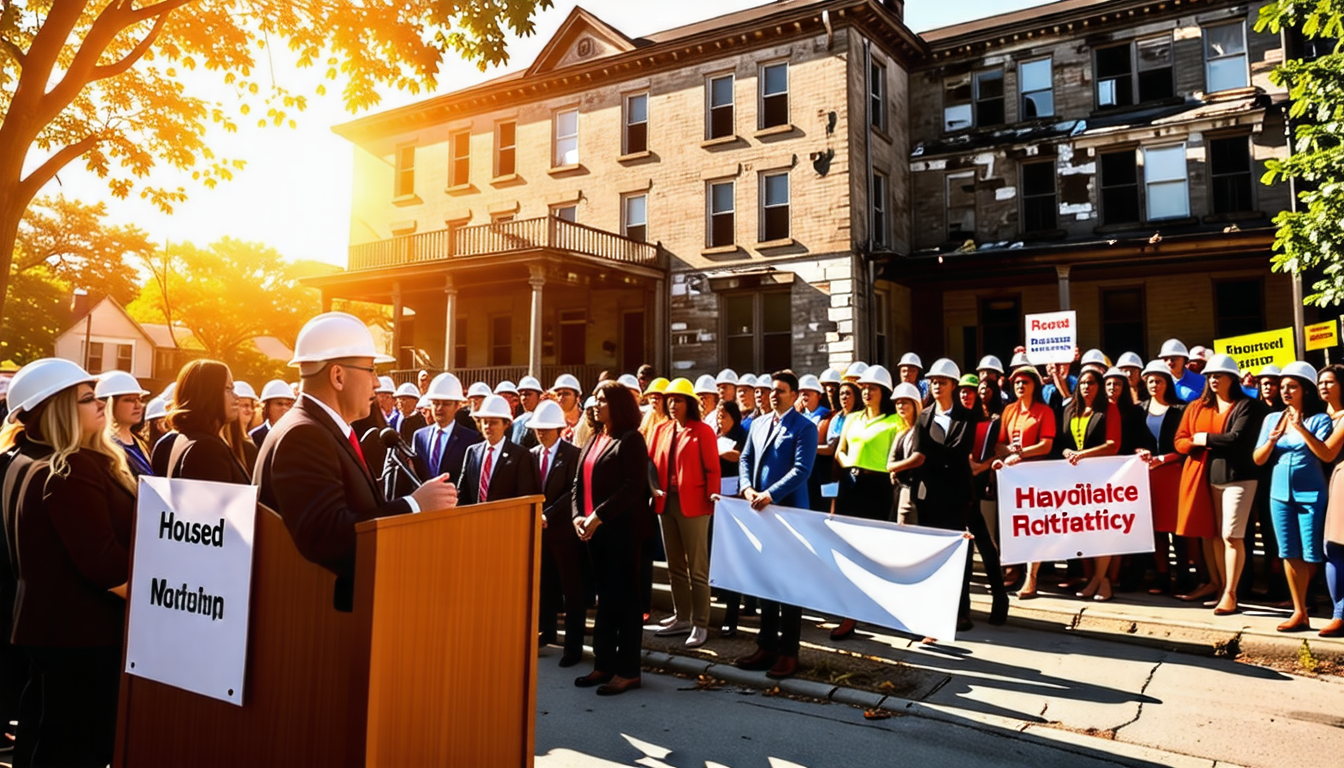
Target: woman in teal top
[1294,443]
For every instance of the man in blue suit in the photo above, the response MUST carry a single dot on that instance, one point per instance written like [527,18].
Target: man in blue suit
[775,465]
[442,446]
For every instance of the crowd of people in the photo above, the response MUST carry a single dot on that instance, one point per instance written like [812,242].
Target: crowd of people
[632,468]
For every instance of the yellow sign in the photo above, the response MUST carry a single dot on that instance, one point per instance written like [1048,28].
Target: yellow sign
[1323,335]
[1256,350]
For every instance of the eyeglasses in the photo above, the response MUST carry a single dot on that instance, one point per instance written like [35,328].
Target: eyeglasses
[369,369]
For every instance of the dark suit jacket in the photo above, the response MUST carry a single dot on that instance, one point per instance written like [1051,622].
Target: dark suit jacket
[1166,442]
[73,539]
[258,435]
[620,488]
[946,488]
[310,475]
[158,455]
[410,425]
[1230,451]
[512,474]
[199,456]
[559,490]
[452,456]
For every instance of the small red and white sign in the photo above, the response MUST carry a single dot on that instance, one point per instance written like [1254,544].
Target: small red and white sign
[1053,510]
[1052,337]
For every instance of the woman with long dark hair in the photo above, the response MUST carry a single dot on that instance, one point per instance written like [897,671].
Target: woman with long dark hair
[1161,414]
[1092,428]
[1027,434]
[205,405]
[611,513]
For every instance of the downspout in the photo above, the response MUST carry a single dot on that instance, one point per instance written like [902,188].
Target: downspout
[871,288]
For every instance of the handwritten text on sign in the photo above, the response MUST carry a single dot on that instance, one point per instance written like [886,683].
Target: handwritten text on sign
[1052,510]
[190,584]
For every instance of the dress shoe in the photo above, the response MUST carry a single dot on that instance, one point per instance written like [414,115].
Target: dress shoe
[1294,626]
[569,661]
[697,637]
[964,624]
[786,666]
[1334,629]
[674,629]
[593,679]
[668,621]
[728,630]
[617,686]
[759,661]
[845,629]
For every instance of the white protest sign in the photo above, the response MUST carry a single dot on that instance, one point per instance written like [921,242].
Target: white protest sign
[1052,337]
[896,576]
[191,578]
[1052,510]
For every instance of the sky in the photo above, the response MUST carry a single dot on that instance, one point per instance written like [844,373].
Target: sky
[294,194]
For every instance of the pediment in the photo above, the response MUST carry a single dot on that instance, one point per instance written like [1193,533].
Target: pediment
[581,38]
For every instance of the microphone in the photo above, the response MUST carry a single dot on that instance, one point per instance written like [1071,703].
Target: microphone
[396,449]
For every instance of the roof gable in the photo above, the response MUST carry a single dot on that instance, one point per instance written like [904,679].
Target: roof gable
[581,38]
[96,319]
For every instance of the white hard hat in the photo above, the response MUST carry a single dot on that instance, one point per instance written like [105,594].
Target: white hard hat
[726,376]
[747,380]
[1115,373]
[910,358]
[425,402]
[116,384]
[1095,357]
[990,363]
[39,380]
[1174,348]
[629,381]
[506,386]
[276,389]
[169,392]
[1298,370]
[479,389]
[567,381]
[547,416]
[809,382]
[156,409]
[876,375]
[855,370]
[906,391]
[1157,367]
[494,407]
[385,386]
[1200,352]
[1129,360]
[944,368]
[1019,360]
[407,390]
[705,385]
[530,383]
[243,389]
[591,402]
[829,376]
[445,386]
[1269,371]
[332,336]
[1225,364]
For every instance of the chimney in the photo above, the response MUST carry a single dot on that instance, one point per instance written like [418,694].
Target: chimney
[897,8]
[79,304]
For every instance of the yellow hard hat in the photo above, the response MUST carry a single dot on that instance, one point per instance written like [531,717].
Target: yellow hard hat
[656,386]
[682,387]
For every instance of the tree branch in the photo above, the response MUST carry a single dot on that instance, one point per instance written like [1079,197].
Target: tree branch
[161,8]
[129,60]
[29,187]
[14,51]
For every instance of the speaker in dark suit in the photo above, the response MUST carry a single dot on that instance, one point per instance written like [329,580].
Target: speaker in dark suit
[562,554]
[496,468]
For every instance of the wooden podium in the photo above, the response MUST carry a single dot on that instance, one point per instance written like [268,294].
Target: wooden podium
[436,665]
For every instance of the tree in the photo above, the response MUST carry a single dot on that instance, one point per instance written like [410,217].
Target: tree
[97,80]
[32,324]
[1312,236]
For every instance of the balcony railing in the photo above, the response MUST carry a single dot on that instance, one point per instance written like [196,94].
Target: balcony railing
[501,238]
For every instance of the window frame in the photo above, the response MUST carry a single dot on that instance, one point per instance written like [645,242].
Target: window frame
[557,158]
[956,103]
[1136,96]
[495,343]
[710,213]
[501,149]
[1182,179]
[129,360]
[758,333]
[627,224]
[765,234]
[730,108]
[877,95]
[1244,55]
[403,179]
[1026,199]
[1257,320]
[628,146]
[948,179]
[454,158]
[558,212]
[1023,93]
[1141,318]
[1102,187]
[1245,141]
[762,103]
[879,223]
[978,101]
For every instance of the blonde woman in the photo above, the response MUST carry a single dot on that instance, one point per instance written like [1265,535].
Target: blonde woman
[903,469]
[122,395]
[70,533]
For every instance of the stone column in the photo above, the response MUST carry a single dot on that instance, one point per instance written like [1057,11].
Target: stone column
[450,319]
[396,322]
[1062,273]
[536,279]
[661,329]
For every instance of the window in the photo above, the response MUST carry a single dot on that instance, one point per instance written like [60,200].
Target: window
[721,218]
[1035,81]
[404,185]
[1230,174]
[1122,316]
[721,107]
[879,222]
[636,123]
[1038,197]
[957,111]
[506,149]
[573,337]
[1225,57]
[1001,325]
[961,206]
[877,96]
[501,340]
[989,98]
[1239,307]
[636,217]
[124,357]
[1165,179]
[758,330]
[774,206]
[1135,73]
[775,95]
[568,213]
[566,138]
[459,168]
[1119,188]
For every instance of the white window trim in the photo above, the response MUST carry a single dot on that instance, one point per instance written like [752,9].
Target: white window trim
[761,94]
[788,202]
[878,204]
[626,122]
[709,104]
[877,91]
[453,158]
[709,211]
[1023,92]
[1244,55]
[557,161]
[625,213]
[499,147]
[1182,180]
[399,169]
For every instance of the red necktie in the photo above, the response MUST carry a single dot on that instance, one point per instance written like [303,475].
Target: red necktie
[545,457]
[354,443]
[485,472]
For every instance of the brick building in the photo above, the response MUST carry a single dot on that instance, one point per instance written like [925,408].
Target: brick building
[808,182]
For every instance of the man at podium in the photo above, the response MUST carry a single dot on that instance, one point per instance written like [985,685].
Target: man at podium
[311,469]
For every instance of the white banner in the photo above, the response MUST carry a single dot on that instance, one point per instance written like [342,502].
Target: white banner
[1052,337]
[1051,510]
[190,582]
[897,576]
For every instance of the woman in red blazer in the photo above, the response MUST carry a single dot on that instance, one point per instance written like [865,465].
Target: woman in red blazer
[686,458]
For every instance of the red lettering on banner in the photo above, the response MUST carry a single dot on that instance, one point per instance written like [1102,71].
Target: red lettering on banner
[1037,325]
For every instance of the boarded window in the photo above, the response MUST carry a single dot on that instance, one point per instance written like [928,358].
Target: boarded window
[961,206]
[1119,188]
[1038,197]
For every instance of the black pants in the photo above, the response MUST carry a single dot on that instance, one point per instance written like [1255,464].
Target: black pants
[989,554]
[865,495]
[781,628]
[79,706]
[618,628]
[562,585]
